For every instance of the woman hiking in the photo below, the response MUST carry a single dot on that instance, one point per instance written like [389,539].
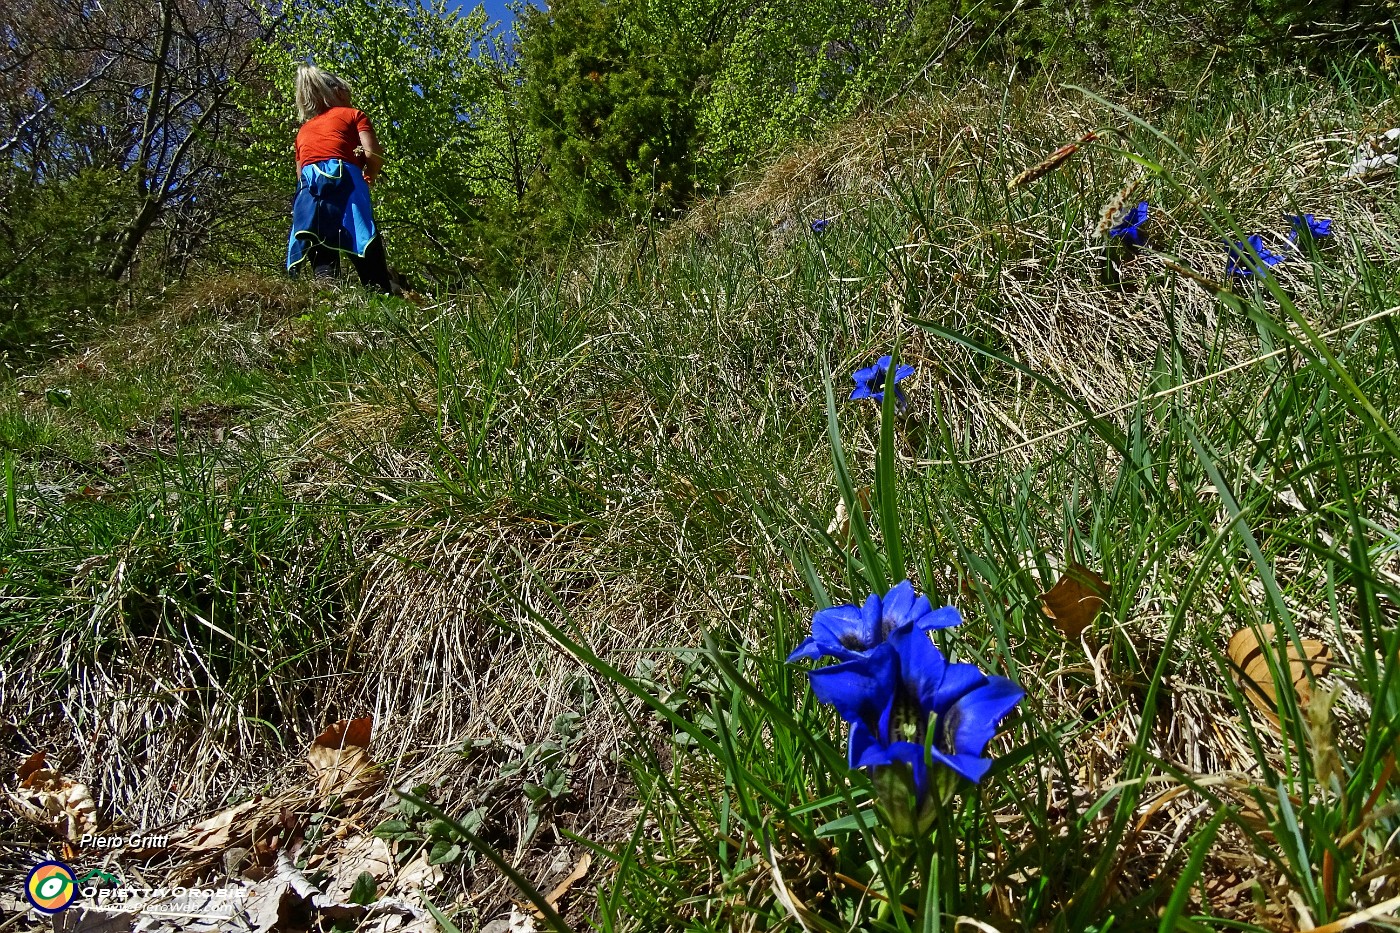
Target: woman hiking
[338,157]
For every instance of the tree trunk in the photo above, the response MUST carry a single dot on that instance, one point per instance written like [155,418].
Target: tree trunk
[132,234]
[130,238]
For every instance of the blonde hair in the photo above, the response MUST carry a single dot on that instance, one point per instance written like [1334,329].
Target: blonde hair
[318,91]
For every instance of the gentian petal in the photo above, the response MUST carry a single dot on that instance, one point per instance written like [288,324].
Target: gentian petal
[903,608]
[842,631]
[896,607]
[1129,227]
[942,617]
[927,676]
[967,726]
[909,753]
[1239,262]
[863,376]
[861,744]
[1310,224]
[870,619]
[870,381]
[860,688]
[972,767]
[809,650]
[922,666]
[959,680]
[877,755]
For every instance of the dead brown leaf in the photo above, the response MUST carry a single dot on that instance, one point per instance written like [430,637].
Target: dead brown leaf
[418,875]
[1251,668]
[284,902]
[339,759]
[48,798]
[361,854]
[517,922]
[31,764]
[223,828]
[1076,600]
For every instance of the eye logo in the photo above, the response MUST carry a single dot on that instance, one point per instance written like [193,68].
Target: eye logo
[51,887]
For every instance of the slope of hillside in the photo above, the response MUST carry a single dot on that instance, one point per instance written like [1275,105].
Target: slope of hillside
[557,540]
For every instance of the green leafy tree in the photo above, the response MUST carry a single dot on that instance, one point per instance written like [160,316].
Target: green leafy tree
[792,67]
[612,104]
[510,162]
[53,235]
[115,122]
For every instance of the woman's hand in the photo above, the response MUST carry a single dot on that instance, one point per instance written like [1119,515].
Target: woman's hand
[372,154]
[374,164]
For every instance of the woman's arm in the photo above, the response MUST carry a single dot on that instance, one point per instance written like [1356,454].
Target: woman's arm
[374,156]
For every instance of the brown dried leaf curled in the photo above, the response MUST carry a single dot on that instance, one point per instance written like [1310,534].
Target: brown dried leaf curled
[236,824]
[49,798]
[562,888]
[1251,668]
[362,854]
[1076,600]
[339,758]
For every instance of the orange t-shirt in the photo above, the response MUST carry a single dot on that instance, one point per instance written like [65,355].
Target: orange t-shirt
[334,134]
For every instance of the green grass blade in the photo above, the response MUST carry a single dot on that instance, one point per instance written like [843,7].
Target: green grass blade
[1190,874]
[886,482]
[873,566]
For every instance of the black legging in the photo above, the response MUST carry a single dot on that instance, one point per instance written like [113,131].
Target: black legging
[373,268]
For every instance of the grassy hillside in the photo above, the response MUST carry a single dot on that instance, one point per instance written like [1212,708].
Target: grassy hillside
[559,539]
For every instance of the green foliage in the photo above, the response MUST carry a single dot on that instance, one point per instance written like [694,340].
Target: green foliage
[790,68]
[608,113]
[54,234]
[610,101]
[1145,44]
[414,828]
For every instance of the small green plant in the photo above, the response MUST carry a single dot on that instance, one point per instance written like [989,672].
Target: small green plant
[414,828]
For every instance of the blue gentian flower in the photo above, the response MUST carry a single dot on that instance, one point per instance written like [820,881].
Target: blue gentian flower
[820,225]
[847,632]
[1238,264]
[870,381]
[1129,229]
[917,722]
[1307,223]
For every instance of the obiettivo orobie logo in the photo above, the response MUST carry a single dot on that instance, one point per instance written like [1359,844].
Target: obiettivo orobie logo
[51,887]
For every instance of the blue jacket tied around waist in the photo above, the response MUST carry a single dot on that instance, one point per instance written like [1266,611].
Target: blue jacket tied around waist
[332,209]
